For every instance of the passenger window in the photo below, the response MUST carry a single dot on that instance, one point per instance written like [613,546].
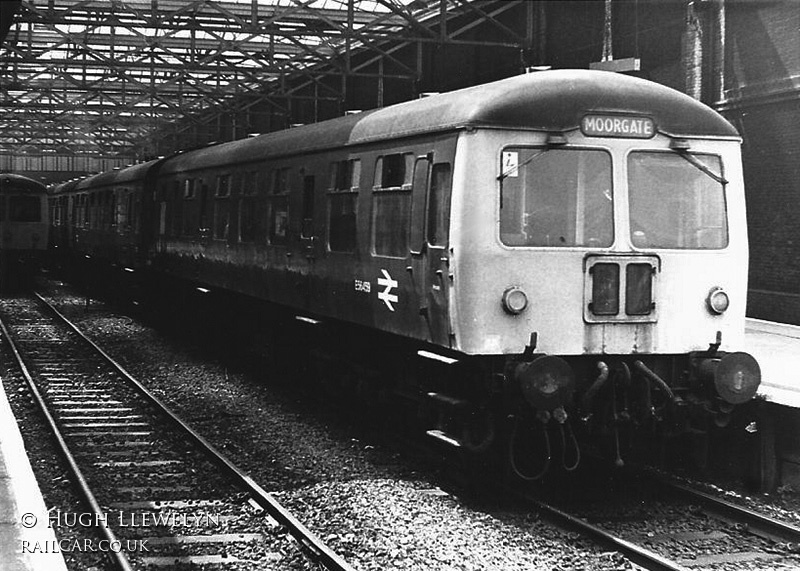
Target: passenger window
[307,230]
[249,227]
[203,217]
[91,211]
[124,211]
[85,211]
[345,175]
[394,171]
[222,207]
[97,209]
[391,205]
[131,210]
[342,205]
[108,213]
[188,188]
[279,206]
[439,205]
[177,209]
[191,218]
[223,185]
[102,210]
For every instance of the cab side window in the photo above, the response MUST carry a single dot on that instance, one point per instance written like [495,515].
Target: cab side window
[439,205]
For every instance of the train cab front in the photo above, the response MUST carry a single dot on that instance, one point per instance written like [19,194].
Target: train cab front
[654,328]
[615,288]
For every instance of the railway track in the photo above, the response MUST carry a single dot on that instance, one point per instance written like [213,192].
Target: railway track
[217,521]
[678,528]
[158,493]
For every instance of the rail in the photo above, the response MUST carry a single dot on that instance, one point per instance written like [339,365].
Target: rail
[307,540]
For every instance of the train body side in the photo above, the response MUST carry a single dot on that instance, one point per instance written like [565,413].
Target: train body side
[308,262]
[104,216]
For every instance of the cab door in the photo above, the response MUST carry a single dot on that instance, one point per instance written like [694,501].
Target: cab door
[430,214]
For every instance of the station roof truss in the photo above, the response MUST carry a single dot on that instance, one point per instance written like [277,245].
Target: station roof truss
[104,76]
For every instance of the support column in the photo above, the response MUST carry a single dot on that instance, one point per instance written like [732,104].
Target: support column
[692,52]
[718,40]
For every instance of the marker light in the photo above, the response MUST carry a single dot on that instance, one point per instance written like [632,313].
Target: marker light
[514,300]
[717,301]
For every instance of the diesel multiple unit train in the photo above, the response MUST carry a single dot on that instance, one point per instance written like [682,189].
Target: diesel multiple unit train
[546,260]
[24,228]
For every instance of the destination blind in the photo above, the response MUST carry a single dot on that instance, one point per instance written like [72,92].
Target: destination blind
[618,126]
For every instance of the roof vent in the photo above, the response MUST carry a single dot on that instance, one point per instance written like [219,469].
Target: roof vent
[618,65]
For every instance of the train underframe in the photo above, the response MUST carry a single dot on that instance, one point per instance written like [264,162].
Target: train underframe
[544,412]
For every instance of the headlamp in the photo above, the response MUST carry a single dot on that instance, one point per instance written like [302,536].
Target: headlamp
[717,301]
[514,300]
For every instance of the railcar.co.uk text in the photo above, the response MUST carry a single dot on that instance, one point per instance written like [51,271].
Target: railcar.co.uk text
[120,519]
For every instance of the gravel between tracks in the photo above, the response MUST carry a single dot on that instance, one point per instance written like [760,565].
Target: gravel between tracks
[376,508]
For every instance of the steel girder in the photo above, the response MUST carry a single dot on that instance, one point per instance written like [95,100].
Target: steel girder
[119,77]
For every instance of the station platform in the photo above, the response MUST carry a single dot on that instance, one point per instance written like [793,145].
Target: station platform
[776,347]
[26,541]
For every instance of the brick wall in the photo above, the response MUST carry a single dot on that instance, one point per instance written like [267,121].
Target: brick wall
[763,92]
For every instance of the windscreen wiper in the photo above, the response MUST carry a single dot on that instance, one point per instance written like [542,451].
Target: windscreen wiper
[698,164]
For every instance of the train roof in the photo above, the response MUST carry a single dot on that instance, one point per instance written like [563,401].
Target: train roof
[62,187]
[545,101]
[549,101]
[121,175]
[20,184]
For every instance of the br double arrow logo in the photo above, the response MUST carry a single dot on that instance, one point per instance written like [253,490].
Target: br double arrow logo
[386,295]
